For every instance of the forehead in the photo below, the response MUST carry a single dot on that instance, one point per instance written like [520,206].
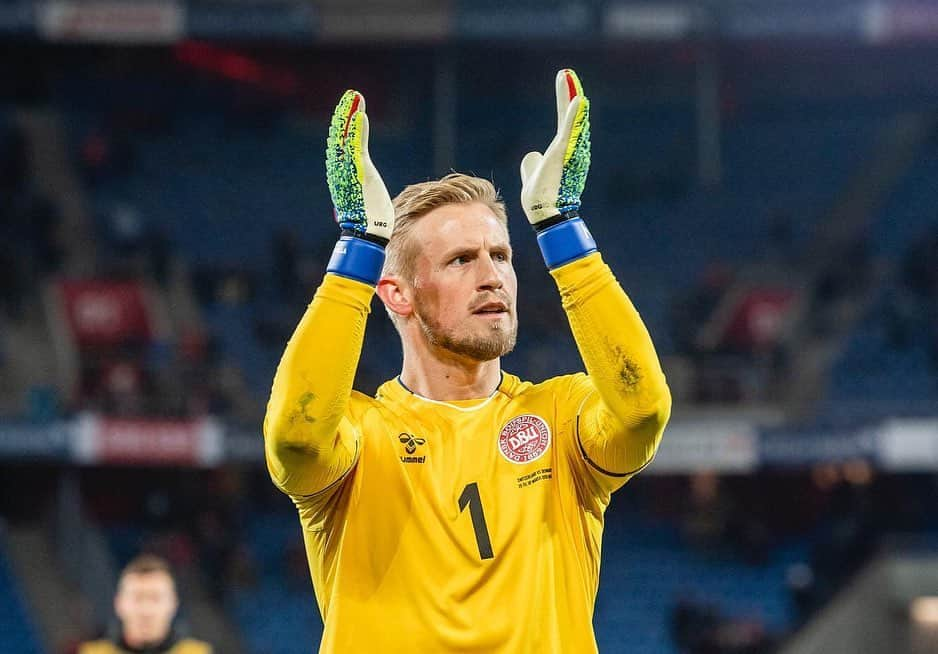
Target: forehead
[147,581]
[459,225]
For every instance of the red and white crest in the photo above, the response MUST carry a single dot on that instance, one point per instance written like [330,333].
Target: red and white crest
[524,439]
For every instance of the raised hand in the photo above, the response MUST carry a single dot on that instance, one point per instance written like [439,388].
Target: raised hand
[553,182]
[362,204]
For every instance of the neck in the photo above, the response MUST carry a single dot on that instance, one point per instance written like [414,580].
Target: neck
[441,375]
[135,643]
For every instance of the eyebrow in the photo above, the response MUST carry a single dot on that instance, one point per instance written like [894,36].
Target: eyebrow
[460,250]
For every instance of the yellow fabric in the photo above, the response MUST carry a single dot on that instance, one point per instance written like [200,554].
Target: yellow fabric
[184,646]
[306,450]
[378,482]
[628,400]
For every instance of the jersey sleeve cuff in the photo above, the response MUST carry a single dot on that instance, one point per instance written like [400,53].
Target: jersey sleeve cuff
[565,241]
[358,259]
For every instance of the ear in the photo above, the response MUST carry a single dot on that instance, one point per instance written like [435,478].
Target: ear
[396,295]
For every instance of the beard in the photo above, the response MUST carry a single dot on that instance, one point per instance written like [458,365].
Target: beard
[497,342]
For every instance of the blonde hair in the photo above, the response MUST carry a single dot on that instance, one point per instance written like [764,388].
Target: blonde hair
[417,200]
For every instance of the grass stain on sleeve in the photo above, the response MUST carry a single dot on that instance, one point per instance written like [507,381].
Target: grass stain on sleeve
[300,414]
[629,372]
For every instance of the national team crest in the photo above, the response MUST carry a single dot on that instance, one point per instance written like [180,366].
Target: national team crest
[524,439]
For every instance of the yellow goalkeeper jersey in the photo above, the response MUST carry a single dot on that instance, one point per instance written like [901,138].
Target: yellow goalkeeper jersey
[466,526]
[184,646]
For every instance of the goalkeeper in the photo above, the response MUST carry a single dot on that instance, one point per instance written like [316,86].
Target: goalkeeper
[461,508]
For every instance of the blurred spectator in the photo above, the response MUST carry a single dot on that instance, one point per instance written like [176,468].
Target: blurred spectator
[145,605]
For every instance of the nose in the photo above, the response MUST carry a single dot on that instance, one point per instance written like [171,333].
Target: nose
[488,274]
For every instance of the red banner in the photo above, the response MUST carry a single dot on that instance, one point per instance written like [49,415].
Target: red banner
[121,441]
[105,312]
[144,21]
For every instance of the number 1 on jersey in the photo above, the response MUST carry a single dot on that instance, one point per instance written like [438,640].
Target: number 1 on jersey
[470,496]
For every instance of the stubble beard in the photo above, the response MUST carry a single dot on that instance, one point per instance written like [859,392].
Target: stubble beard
[496,343]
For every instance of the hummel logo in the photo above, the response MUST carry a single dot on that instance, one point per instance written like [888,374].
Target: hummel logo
[411,443]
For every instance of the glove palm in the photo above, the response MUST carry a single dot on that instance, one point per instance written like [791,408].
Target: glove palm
[553,182]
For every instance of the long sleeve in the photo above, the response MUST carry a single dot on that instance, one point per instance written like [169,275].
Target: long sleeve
[310,442]
[627,401]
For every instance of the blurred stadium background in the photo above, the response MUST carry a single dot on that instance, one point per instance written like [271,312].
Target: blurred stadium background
[764,183]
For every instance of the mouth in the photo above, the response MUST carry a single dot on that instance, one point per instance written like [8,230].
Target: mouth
[491,309]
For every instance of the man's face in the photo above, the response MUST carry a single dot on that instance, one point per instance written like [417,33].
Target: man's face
[146,603]
[465,288]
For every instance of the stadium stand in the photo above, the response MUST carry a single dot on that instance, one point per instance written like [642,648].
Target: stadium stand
[886,368]
[889,363]
[279,606]
[910,212]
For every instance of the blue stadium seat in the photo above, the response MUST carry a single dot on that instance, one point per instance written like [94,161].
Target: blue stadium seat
[910,210]
[884,369]
[280,615]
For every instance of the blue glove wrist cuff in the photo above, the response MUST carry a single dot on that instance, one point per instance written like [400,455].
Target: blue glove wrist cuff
[565,242]
[357,259]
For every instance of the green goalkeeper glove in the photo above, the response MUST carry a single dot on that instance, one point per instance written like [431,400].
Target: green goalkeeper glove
[551,183]
[363,206]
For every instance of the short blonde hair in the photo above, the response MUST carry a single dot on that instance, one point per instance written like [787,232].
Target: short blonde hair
[417,200]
